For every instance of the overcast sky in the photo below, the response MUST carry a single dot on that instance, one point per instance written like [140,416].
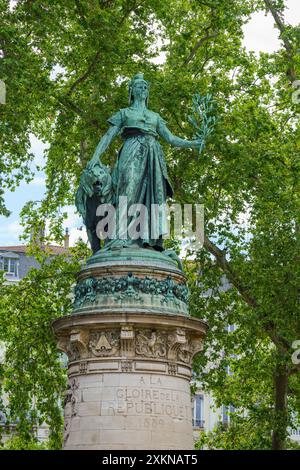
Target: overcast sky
[260,35]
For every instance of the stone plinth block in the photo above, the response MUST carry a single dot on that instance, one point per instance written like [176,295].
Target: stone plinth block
[130,345]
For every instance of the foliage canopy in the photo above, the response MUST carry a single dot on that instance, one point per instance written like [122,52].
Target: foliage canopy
[66,66]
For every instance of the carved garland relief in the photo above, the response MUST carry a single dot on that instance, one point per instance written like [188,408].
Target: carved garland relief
[130,286]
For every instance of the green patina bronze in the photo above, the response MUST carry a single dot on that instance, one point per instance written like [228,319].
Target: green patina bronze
[130,286]
[140,172]
[167,257]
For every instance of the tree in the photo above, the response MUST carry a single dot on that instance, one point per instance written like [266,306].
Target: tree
[33,377]
[248,173]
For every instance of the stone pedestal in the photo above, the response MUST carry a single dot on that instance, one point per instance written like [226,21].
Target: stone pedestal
[130,344]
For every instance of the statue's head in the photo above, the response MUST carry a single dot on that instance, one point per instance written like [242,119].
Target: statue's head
[138,87]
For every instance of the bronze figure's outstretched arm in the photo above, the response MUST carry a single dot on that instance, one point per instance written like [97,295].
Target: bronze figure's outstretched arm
[172,139]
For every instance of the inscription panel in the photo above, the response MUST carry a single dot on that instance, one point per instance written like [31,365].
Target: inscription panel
[152,402]
[152,405]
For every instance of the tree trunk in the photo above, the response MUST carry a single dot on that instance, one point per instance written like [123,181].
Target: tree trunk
[281,414]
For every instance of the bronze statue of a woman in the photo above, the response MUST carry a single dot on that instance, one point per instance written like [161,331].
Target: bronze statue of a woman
[140,173]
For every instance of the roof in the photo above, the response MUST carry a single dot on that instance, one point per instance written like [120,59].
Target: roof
[54,249]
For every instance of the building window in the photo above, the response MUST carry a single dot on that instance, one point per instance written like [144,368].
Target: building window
[198,413]
[225,414]
[10,266]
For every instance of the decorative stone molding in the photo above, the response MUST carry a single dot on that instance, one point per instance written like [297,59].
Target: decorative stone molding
[172,368]
[83,367]
[132,343]
[126,366]
[127,341]
[184,353]
[130,286]
[70,395]
[175,340]
[79,340]
[71,406]
[75,345]
[196,346]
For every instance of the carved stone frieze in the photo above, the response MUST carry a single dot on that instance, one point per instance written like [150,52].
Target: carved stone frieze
[129,287]
[151,344]
[83,367]
[79,341]
[174,345]
[75,346]
[184,353]
[196,345]
[104,343]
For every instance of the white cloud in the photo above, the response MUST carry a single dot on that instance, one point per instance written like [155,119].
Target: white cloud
[260,33]
[9,233]
[75,225]
[76,234]
[74,220]
[292,12]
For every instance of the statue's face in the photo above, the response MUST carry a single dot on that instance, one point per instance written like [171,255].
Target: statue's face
[140,90]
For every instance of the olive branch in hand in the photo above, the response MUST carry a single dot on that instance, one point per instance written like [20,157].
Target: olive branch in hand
[203,119]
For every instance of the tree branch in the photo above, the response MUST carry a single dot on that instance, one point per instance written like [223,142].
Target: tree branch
[80,11]
[86,73]
[130,9]
[243,290]
[69,104]
[231,276]
[198,45]
[294,370]
[291,73]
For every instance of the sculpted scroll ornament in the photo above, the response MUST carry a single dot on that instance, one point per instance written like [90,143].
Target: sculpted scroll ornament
[73,352]
[75,346]
[188,350]
[104,343]
[184,353]
[176,339]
